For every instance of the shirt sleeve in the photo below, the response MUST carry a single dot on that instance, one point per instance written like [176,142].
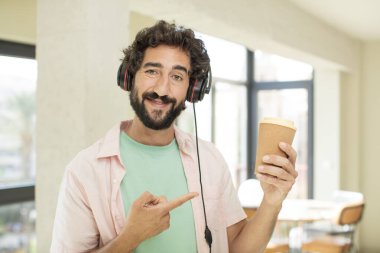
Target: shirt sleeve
[75,228]
[233,211]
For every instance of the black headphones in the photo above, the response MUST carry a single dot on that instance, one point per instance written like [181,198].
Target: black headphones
[195,93]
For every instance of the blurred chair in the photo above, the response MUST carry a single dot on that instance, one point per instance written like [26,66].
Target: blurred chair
[250,211]
[334,227]
[327,244]
[250,195]
[340,239]
[277,248]
[347,197]
[277,245]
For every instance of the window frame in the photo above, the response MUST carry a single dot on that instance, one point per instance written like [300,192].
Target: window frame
[252,123]
[22,192]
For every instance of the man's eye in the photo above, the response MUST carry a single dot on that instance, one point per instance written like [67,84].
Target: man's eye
[151,72]
[177,78]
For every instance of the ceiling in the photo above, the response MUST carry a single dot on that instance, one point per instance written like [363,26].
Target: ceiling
[357,18]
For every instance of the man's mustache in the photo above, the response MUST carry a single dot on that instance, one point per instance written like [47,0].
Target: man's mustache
[153,95]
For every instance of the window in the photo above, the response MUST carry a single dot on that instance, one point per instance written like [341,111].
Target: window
[283,88]
[17,223]
[18,75]
[271,67]
[17,117]
[230,135]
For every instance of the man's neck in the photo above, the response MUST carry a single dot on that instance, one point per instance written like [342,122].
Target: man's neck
[140,133]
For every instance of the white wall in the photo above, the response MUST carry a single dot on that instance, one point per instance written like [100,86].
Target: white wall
[326,133]
[369,169]
[18,20]
[137,22]
[79,45]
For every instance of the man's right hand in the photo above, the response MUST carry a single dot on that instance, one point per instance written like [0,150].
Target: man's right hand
[149,215]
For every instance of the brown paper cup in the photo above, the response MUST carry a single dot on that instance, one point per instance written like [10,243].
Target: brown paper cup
[272,131]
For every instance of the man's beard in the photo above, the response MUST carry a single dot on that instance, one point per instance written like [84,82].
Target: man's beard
[157,121]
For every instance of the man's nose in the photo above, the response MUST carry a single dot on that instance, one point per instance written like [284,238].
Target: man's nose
[162,86]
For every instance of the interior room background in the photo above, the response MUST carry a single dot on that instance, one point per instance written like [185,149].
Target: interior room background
[69,86]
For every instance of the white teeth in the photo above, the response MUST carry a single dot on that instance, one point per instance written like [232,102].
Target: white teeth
[157,101]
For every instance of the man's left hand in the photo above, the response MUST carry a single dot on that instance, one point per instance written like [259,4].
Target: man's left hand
[278,175]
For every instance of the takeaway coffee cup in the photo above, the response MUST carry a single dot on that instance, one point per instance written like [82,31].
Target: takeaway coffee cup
[272,131]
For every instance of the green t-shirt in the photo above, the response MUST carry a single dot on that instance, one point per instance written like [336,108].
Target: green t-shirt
[159,170]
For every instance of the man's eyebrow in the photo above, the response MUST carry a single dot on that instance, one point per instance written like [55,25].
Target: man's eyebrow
[159,65]
[179,67]
[153,64]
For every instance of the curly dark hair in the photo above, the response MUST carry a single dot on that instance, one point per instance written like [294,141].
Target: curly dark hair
[164,33]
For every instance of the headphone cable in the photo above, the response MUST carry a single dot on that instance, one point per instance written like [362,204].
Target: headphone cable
[208,235]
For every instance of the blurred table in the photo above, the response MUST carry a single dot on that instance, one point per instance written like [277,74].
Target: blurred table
[307,210]
[302,211]
[299,212]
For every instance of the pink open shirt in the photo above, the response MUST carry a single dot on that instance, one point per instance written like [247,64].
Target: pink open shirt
[90,212]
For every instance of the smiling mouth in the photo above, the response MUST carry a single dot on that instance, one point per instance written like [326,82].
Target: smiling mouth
[157,102]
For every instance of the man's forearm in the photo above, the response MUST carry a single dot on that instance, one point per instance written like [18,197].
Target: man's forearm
[257,232]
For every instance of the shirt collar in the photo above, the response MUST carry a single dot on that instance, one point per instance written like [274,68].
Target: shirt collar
[110,144]
[184,141]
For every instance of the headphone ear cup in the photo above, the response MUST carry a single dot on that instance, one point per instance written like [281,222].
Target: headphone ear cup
[191,90]
[129,81]
[124,78]
[198,88]
[203,89]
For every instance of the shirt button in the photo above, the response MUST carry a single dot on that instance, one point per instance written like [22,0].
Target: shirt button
[114,181]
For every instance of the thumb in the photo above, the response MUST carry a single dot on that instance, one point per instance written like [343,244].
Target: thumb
[145,197]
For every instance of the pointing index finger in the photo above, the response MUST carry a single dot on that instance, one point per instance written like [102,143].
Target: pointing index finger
[180,200]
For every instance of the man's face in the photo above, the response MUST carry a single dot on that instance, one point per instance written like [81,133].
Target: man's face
[160,86]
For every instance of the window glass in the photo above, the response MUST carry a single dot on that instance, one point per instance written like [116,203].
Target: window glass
[291,104]
[228,60]
[271,67]
[17,119]
[17,228]
[204,115]
[230,127]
